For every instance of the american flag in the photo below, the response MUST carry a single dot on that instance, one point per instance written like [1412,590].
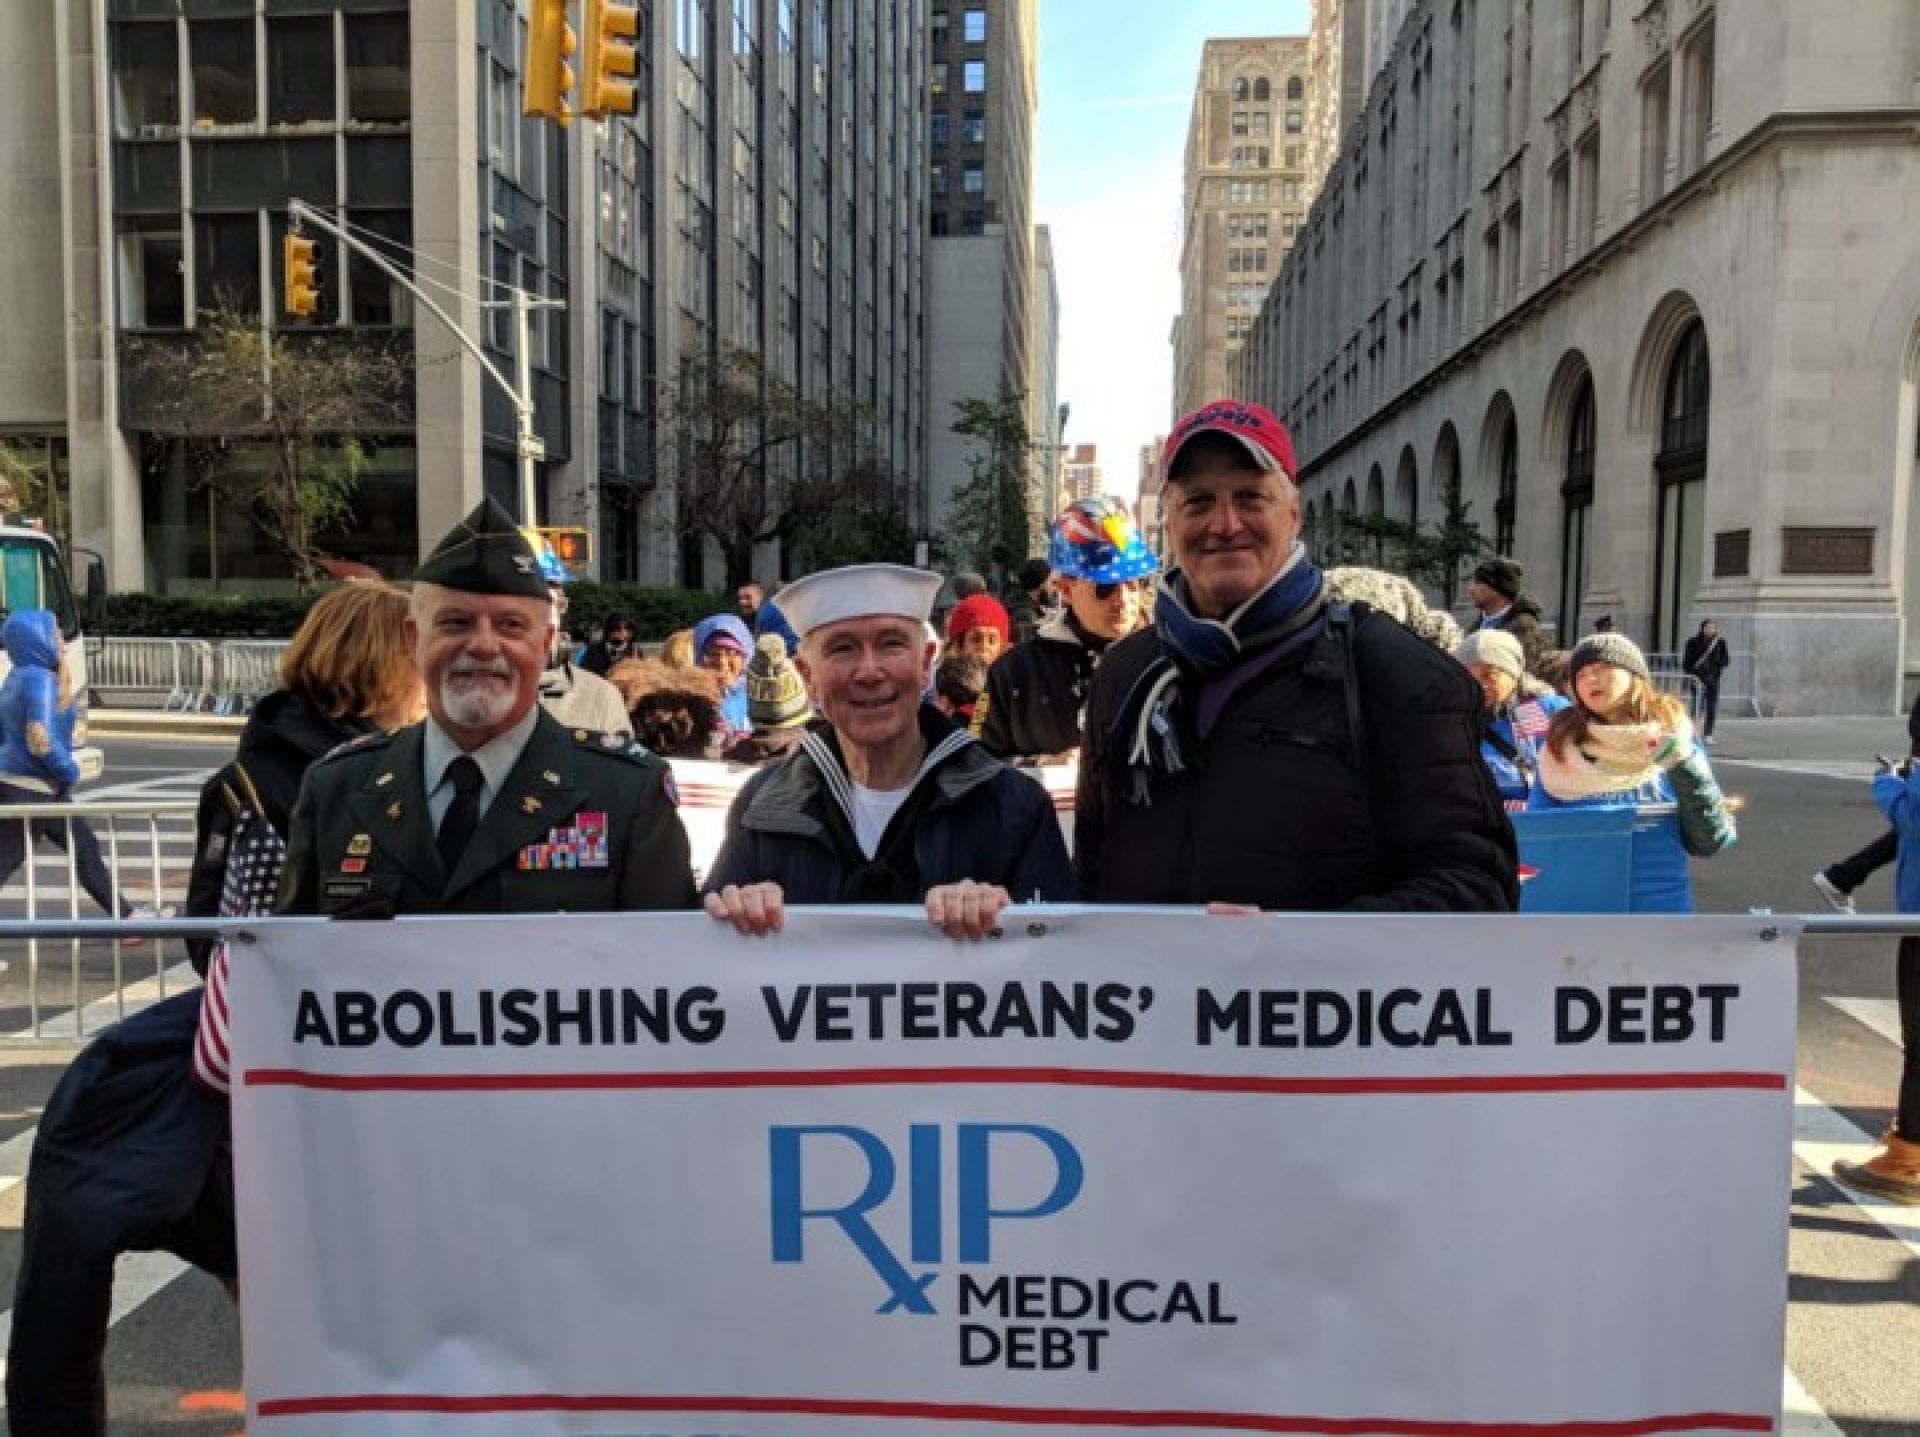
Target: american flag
[1531,721]
[255,855]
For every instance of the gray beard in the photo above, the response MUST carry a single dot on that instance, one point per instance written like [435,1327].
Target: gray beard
[475,708]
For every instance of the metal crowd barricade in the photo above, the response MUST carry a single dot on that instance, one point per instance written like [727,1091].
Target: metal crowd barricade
[177,673]
[147,849]
[247,671]
[1739,684]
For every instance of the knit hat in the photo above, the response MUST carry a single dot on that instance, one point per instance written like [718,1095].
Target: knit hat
[1495,649]
[722,629]
[1501,575]
[776,698]
[1033,574]
[982,611]
[1616,649]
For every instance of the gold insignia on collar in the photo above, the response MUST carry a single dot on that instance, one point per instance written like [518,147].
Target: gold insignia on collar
[580,735]
[394,810]
[360,845]
[529,804]
[383,780]
[551,777]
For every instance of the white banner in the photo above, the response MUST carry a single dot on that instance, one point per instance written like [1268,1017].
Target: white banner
[1114,1171]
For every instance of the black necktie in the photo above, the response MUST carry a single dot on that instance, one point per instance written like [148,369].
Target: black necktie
[463,814]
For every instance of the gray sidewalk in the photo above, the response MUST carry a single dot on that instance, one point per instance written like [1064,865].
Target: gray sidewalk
[1851,737]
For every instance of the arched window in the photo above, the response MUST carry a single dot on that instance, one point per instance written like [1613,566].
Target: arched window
[1506,504]
[1296,90]
[1261,90]
[1576,500]
[1680,472]
[1240,89]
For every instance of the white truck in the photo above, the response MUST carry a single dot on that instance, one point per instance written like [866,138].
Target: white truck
[33,575]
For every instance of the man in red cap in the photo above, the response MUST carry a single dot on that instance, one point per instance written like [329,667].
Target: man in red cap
[1260,747]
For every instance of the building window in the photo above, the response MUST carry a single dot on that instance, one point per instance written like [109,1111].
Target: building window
[1296,88]
[1506,506]
[1586,191]
[939,127]
[1655,100]
[939,184]
[300,69]
[974,77]
[153,281]
[1293,122]
[146,75]
[1261,90]
[1239,122]
[974,27]
[1696,124]
[941,24]
[1559,212]
[227,262]
[1576,494]
[1292,157]
[1262,123]
[973,127]
[973,180]
[223,73]
[1240,90]
[939,77]
[378,84]
[1576,38]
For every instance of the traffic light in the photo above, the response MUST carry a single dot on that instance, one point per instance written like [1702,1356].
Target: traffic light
[549,78]
[612,59]
[572,547]
[302,279]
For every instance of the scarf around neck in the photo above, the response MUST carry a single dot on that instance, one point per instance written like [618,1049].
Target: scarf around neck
[1614,759]
[1196,649]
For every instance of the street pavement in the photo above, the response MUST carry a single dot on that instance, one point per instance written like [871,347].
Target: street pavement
[1854,1281]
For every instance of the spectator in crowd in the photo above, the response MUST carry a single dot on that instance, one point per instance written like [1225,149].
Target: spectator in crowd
[574,695]
[436,818]
[772,621]
[748,599]
[777,705]
[1837,881]
[618,641]
[958,681]
[676,650]
[36,759]
[1706,658]
[1621,743]
[1030,604]
[675,712]
[1894,1171]
[723,645]
[966,584]
[1603,624]
[978,627]
[130,1152]
[885,802]
[1397,597]
[1496,592]
[1516,710]
[1036,691]
[1257,748]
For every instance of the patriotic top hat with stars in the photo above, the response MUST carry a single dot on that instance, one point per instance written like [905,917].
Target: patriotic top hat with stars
[1096,539]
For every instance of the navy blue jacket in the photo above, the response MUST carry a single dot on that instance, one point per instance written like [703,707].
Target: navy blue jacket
[970,816]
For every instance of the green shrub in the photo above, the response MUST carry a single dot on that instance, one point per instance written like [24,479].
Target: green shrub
[655,612]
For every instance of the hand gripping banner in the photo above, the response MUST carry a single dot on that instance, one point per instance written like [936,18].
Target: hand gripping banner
[1111,1172]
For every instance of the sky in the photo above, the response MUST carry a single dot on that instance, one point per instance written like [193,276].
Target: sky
[1115,94]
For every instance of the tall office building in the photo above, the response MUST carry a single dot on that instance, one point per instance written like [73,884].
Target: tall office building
[1246,194]
[768,196]
[1043,394]
[1534,285]
[1083,478]
[980,265]
[1349,41]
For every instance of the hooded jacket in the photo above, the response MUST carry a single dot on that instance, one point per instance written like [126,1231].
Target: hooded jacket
[601,656]
[34,752]
[969,816]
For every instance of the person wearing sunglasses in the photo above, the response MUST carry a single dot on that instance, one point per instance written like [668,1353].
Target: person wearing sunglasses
[1037,691]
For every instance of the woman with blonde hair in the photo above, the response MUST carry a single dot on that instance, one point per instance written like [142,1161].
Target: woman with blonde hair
[1622,743]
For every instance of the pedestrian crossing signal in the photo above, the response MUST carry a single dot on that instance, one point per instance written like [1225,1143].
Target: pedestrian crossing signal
[302,276]
[572,547]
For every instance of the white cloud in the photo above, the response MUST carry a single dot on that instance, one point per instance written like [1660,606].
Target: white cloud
[1118,265]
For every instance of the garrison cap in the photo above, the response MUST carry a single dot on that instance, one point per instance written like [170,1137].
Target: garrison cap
[485,553]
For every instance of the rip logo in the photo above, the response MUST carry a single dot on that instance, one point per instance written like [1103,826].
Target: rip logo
[810,1168]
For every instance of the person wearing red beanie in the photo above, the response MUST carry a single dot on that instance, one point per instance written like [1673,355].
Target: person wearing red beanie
[979,628]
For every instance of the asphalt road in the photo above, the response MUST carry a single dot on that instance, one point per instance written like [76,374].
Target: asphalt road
[1854,1284]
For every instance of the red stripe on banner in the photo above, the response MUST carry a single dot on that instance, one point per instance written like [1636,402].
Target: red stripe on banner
[1027,1416]
[1037,1077]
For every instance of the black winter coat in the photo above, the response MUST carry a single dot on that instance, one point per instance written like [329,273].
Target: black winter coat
[1274,810]
[1035,693]
[970,816]
[284,735]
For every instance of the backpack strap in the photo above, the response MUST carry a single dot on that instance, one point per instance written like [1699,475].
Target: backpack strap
[1343,622]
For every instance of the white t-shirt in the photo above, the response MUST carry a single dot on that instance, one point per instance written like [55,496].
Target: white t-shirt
[873,810]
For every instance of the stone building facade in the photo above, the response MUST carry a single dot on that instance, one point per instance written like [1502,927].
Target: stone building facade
[1636,284]
[1246,195]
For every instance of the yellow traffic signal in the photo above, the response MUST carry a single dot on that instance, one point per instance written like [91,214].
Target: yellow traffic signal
[302,278]
[612,59]
[572,547]
[548,76]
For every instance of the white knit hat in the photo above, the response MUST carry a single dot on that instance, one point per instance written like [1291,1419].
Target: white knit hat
[1496,649]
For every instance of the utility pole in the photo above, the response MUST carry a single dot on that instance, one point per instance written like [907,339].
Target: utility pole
[531,448]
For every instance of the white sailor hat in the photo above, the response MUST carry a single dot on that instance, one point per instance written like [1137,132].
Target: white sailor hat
[858,591]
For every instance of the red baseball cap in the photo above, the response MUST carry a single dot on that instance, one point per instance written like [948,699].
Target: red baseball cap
[1263,437]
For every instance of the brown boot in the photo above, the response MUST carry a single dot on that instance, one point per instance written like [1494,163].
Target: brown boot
[1892,1173]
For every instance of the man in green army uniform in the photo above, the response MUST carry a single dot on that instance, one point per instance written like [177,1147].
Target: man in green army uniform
[490,805]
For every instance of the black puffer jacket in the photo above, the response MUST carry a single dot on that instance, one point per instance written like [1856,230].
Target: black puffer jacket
[1272,808]
[284,735]
[1035,692]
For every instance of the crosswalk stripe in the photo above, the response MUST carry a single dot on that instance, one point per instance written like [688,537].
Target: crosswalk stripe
[1822,1137]
[1880,1014]
[1801,1415]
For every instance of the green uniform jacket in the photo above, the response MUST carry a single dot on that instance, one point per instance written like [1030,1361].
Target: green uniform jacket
[584,824]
